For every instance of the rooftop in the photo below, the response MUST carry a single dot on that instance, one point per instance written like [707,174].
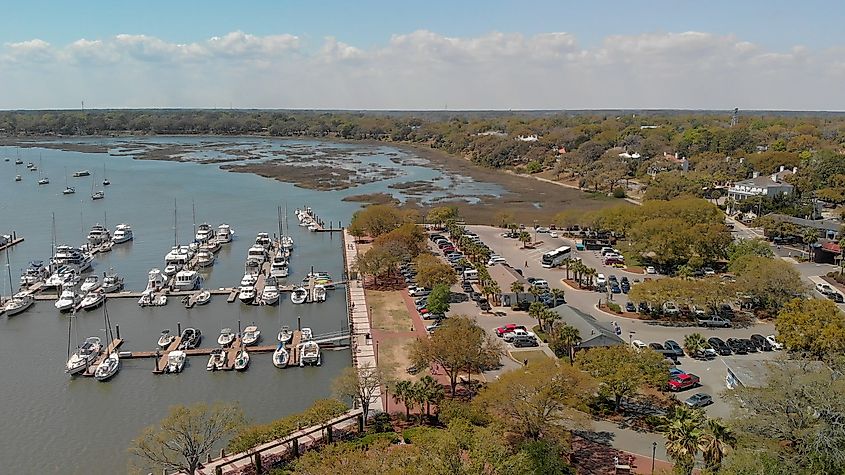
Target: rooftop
[593,333]
[755,373]
[822,224]
[505,275]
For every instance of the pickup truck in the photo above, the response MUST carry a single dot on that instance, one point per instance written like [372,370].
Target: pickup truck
[714,321]
[519,333]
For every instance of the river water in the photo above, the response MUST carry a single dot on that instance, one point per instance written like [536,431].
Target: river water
[57,424]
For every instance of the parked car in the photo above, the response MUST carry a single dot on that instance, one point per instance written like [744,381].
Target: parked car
[518,332]
[522,342]
[656,347]
[496,260]
[650,270]
[630,307]
[719,345]
[726,311]
[699,400]
[836,297]
[670,308]
[714,321]
[484,305]
[761,342]
[749,345]
[824,289]
[674,346]
[625,286]
[676,372]
[416,291]
[776,345]
[601,280]
[501,331]
[737,346]
[683,381]
[638,345]
[614,288]
[709,271]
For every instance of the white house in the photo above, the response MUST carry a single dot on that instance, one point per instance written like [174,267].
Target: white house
[769,185]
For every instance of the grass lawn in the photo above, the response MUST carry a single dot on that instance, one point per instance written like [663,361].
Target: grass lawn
[530,355]
[389,310]
[393,359]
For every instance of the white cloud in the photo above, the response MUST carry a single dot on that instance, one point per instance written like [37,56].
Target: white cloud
[423,70]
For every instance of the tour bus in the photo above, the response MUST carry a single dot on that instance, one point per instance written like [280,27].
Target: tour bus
[556,257]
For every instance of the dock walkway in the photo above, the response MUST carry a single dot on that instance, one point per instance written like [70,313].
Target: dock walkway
[13,242]
[114,345]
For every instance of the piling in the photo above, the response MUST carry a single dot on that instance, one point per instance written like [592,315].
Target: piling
[178,328]
[117,331]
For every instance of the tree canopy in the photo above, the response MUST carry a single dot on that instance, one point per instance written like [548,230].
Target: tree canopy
[815,327]
[622,370]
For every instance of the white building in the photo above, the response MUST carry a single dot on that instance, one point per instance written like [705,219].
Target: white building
[768,186]
[528,138]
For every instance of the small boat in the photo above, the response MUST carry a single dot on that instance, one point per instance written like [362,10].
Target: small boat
[31,166]
[155,280]
[108,368]
[309,354]
[165,339]
[85,355]
[279,266]
[150,299]
[93,300]
[204,233]
[307,334]
[43,181]
[227,336]
[175,361]
[217,360]
[111,283]
[285,335]
[69,190]
[280,356]
[90,283]
[299,295]
[191,338]
[318,294]
[251,335]
[18,303]
[241,360]
[81,173]
[187,280]
[286,242]
[205,258]
[203,297]
[36,272]
[67,300]
[224,234]
[122,233]
[18,178]
[270,294]
[18,161]
[171,269]
[246,293]
[98,195]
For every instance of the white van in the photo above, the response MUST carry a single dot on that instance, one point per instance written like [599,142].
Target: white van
[471,275]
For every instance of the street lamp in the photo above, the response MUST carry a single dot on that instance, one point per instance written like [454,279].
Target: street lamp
[653,453]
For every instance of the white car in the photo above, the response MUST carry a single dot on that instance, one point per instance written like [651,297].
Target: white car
[418,291]
[518,332]
[775,344]
[650,270]
[824,289]
[541,284]
[601,280]
[670,308]
[496,260]
[554,234]
[638,345]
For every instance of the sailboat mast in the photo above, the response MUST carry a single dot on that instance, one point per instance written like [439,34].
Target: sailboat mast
[194,215]
[53,237]
[175,237]
[9,269]
[279,215]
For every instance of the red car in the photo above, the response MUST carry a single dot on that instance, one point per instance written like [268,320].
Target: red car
[501,331]
[679,382]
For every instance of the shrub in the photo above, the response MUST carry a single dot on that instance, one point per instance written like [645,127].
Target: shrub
[416,434]
[451,409]
[534,167]
[540,333]
[614,307]
[381,423]
[368,440]
[618,192]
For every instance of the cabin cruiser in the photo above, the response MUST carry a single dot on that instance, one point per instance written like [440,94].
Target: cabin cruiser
[280,356]
[36,272]
[165,339]
[263,240]
[191,338]
[155,280]
[203,297]
[211,245]
[256,253]
[175,361]
[309,354]
[90,283]
[224,234]
[98,235]
[108,368]
[122,233]
[72,256]
[227,336]
[98,195]
[84,355]
[307,334]
[69,190]
[286,242]
[187,280]
[252,267]
[246,294]
[111,283]
[18,303]
[251,335]
[299,295]
[270,294]
[80,173]
[64,276]
[176,259]
[205,258]
[217,360]
[67,300]
[279,267]
[93,300]
[150,299]
[241,360]
[285,335]
[204,233]
[318,293]
[44,181]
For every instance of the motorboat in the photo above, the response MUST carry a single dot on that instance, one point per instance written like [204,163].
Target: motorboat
[191,338]
[175,361]
[204,233]
[165,339]
[203,297]
[84,355]
[205,258]
[322,278]
[263,240]
[44,181]
[122,233]
[72,257]
[309,354]
[69,190]
[67,300]
[307,334]
[111,283]
[248,279]
[252,267]
[155,280]
[285,334]
[31,166]
[279,266]
[171,269]
[299,295]
[150,299]
[227,336]
[187,280]
[246,293]
[224,234]
[280,356]
[18,161]
[35,272]
[286,242]
[20,302]
[18,178]
[98,195]
[98,235]
[108,367]
[318,293]
[80,173]
[241,360]
[93,300]
[270,294]
[64,276]
[256,253]
[90,283]
[212,245]
[217,360]
[251,335]
[178,256]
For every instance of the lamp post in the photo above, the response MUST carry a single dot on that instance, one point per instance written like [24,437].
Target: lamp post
[653,454]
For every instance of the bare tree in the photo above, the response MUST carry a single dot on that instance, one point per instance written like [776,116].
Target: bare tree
[362,385]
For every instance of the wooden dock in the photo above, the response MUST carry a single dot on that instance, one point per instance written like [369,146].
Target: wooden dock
[15,241]
[134,295]
[114,345]
[293,350]
[162,361]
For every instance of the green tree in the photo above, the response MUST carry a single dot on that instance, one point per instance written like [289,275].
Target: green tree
[535,310]
[432,272]
[517,288]
[564,340]
[749,247]
[558,296]
[814,327]
[403,391]
[717,440]
[621,370]
[438,300]
[768,283]
[360,384]
[375,220]
[180,440]
[524,238]
[442,214]
[694,343]
[430,391]
[684,434]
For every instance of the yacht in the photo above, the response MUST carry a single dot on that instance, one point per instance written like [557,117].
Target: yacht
[165,339]
[286,242]
[175,361]
[111,283]
[227,336]
[299,295]
[280,356]
[122,233]
[205,258]
[93,300]
[69,190]
[241,360]
[307,334]
[205,233]
[85,355]
[318,294]
[191,338]
[217,360]
[270,294]
[251,335]
[203,297]
[90,283]
[246,294]
[98,235]
[309,354]
[64,276]
[108,367]
[155,280]
[98,195]
[67,300]
[212,246]
[150,299]
[224,234]
[35,272]
[177,258]
[18,303]
[256,253]
[80,173]
[285,335]
[263,240]
[187,280]
[279,266]
[72,256]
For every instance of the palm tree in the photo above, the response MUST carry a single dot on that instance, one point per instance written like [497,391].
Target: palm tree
[402,392]
[715,444]
[842,255]
[417,396]
[557,294]
[496,291]
[535,310]
[684,434]
[566,263]
[524,238]
[535,292]
[569,337]
[548,317]
[695,343]
[517,288]
[590,273]
[431,392]
[810,237]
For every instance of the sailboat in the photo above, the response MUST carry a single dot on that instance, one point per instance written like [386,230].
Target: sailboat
[18,176]
[111,365]
[85,354]
[106,181]
[98,194]
[69,190]
[42,180]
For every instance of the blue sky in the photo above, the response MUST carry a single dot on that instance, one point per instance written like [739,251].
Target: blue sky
[364,42]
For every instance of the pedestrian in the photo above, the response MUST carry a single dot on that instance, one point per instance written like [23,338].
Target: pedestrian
[525,362]
[526,263]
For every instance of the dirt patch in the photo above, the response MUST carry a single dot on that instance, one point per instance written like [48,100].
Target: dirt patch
[372,198]
[393,358]
[390,313]
[311,177]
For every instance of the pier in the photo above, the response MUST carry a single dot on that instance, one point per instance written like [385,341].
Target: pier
[14,240]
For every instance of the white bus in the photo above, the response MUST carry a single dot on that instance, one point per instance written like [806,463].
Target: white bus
[556,257]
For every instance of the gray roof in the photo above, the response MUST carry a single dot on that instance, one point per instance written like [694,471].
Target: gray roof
[763,181]
[822,224]
[593,333]
[755,373]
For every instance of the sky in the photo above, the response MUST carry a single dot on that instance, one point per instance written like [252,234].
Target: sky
[597,54]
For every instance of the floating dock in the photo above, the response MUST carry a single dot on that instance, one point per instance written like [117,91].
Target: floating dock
[12,242]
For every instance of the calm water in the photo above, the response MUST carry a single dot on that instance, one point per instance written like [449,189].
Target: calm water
[57,424]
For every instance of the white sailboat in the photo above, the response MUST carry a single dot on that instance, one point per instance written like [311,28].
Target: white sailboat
[281,356]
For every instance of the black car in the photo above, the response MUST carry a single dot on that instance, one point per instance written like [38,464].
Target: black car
[630,307]
[656,347]
[719,345]
[836,297]
[643,307]
[672,345]
[737,346]
[484,305]
[467,287]
[475,296]
[726,311]
[749,345]
[761,342]
[625,286]
[531,280]
[624,280]
[455,297]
